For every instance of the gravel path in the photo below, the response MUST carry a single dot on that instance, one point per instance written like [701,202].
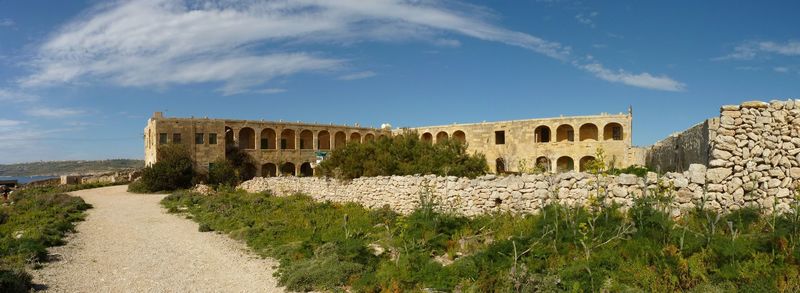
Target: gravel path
[128,243]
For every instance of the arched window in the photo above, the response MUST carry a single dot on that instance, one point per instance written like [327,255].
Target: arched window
[585,162]
[500,166]
[588,132]
[269,170]
[460,136]
[306,170]
[268,140]
[612,131]
[565,164]
[441,136]
[247,138]
[229,141]
[369,137]
[324,140]
[287,139]
[427,137]
[306,140]
[565,133]
[541,134]
[543,164]
[287,169]
[339,139]
[355,137]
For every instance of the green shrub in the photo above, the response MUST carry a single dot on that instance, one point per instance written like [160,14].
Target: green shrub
[403,155]
[222,172]
[35,221]
[172,171]
[329,246]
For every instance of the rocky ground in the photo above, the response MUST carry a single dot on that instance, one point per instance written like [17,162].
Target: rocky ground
[129,244]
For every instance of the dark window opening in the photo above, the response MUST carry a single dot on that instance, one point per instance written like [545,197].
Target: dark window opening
[264,143]
[284,143]
[162,138]
[500,137]
[212,138]
[570,135]
[176,138]
[198,138]
[616,133]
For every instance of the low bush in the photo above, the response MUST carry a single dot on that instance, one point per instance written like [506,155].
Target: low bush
[330,246]
[172,171]
[403,155]
[37,219]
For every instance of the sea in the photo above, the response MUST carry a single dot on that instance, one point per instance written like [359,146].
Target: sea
[26,179]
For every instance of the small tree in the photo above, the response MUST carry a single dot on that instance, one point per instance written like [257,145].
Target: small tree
[222,172]
[172,171]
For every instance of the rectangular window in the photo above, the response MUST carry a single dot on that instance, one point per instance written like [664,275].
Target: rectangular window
[198,138]
[301,144]
[210,166]
[264,143]
[212,138]
[283,143]
[176,138]
[570,135]
[500,137]
[162,138]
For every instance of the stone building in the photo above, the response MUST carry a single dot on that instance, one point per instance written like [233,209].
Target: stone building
[277,147]
[553,144]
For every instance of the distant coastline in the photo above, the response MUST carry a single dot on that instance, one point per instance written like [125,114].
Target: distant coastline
[56,168]
[26,179]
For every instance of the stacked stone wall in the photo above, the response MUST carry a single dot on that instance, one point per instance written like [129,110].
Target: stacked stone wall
[491,193]
[755,157]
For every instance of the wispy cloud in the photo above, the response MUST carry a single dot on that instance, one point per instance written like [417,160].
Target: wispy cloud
[357,75]
[752,50]
[642,80]
[6,22]
[242,45]
[16,96]
[587,18]
[45,112]
[452,43]
[6,123]
[781,69]
[270,91]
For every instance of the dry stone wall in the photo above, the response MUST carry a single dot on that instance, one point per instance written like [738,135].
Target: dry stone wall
[755,157]
[490,193]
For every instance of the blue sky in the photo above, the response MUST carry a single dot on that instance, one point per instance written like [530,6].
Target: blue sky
[78,79]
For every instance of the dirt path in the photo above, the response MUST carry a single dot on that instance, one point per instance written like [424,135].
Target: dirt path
[129,244]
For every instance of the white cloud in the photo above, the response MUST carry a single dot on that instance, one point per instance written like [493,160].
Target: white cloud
[751,50]
[642,80]
[452,43]
[6,22]
[781,69]
[45,112]
[357,75]
[15,96]
[270,91]
[587,19]
[6,123]
[242,45]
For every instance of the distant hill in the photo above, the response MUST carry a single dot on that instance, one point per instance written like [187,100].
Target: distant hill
[68,167]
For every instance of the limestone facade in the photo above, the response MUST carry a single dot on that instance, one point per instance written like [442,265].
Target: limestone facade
[277,147]
[551,144]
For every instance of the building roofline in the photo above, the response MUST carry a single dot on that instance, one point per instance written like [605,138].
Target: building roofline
[264,121]
[621,115]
